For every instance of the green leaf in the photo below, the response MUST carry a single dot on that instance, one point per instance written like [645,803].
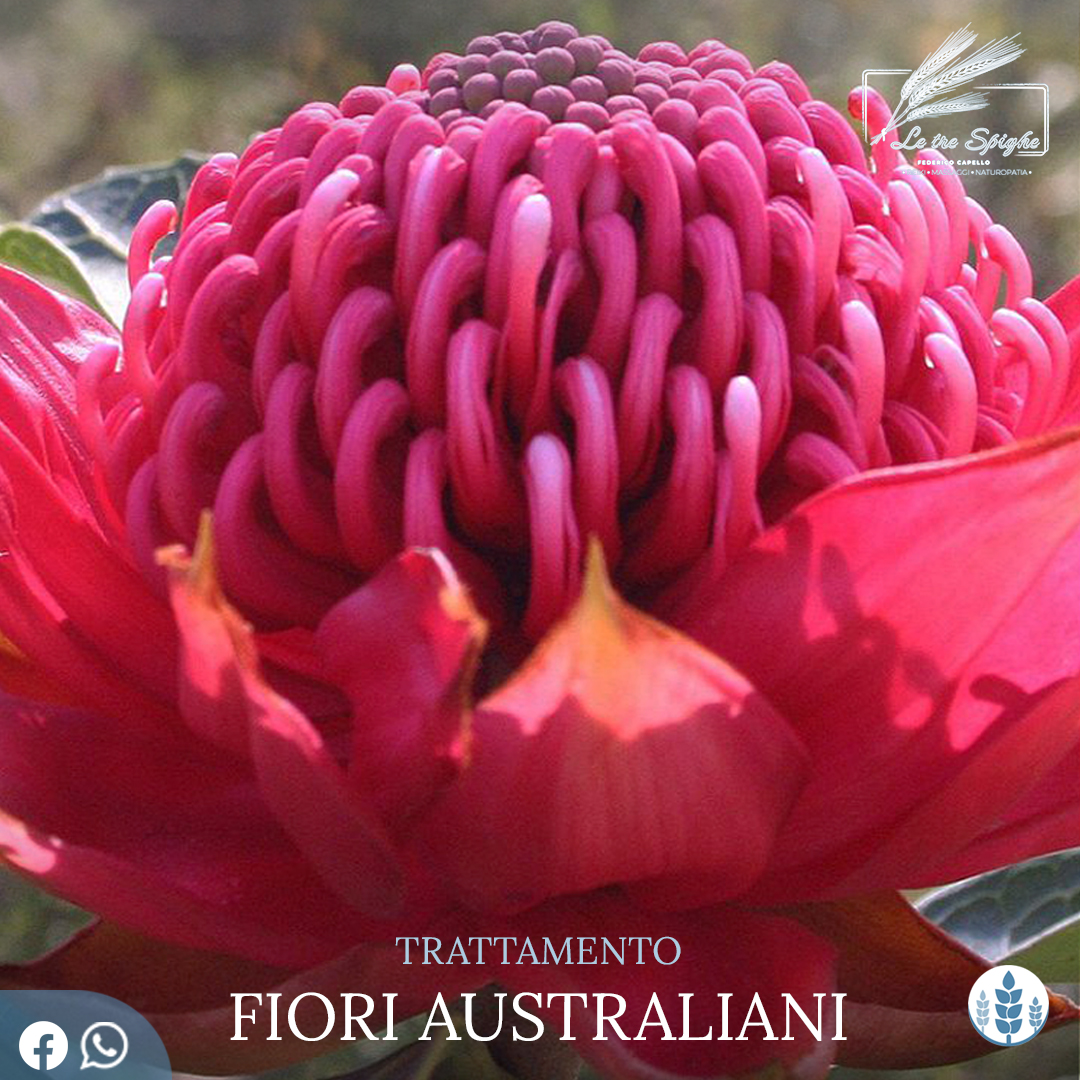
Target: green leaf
[1029,914]
[38,254]
[94,222]
[31,921]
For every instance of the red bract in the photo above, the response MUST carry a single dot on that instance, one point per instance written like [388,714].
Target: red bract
[619,527]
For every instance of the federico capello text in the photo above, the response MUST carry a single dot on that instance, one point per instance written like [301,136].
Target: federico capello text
[599,1016]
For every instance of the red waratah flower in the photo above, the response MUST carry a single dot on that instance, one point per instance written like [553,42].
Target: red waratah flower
[632,513]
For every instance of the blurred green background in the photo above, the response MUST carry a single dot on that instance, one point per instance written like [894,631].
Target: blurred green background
[88,83]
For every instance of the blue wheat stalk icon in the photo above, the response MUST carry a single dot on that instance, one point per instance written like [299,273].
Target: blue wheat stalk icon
[982,1010]
[1035,1014]
[1008,1008]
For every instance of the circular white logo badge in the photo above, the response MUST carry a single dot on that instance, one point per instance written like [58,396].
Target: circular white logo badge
[1008,1005]
[43,1045]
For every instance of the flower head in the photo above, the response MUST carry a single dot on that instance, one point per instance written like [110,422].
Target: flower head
[549,292]
[545,353]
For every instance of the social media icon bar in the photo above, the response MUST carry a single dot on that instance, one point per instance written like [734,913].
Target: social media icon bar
[104,1045]
[43,1045]
[69,1033]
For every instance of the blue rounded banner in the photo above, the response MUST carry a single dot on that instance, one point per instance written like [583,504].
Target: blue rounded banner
[69,1034]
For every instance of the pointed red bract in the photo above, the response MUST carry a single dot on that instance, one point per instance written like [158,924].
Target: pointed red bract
[621,752]
[296,774]
[405,649]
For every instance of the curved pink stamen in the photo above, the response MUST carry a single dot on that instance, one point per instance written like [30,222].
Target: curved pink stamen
[815,462]
[325,203]
[100,364]
[210,185]
[862,337]
[140,321]
[648,173]
[792,245]
[192,436]
[815,387]
[275,194]
[833,135]
[364,317]
[436,178]
[585,393]
[612,249]
[771,113]
[368,473]
[770,369]
[674,526]
[734,189]
[569,272]
[507,138]
[203,252]
[301,494]
[159,220]
[568,168]
[958,410]
[937,225]
[381,129]
[273,255]
[302,131]
[827,208]
[259,568]
[415,132]
[555,543]
[1064,380]
[1016,333]
[655,321]
[341,139]
[691,192]
[454,274]
[225,294]
[742,433]
[712,251]
[1002,247]
[530,240]
[361,238]
[486,495]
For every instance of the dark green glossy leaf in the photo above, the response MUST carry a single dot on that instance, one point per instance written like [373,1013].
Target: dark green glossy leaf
[94,221]
[1028,913]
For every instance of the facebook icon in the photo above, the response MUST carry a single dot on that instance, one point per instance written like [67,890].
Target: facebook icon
[43,1045]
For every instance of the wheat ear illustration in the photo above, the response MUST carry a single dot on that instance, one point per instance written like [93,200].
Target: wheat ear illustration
[948,50]
[1035,1014]
[963,103]
[924,85]
[1008,1007]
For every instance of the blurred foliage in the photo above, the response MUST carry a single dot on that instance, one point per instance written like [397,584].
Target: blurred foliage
[87,83]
